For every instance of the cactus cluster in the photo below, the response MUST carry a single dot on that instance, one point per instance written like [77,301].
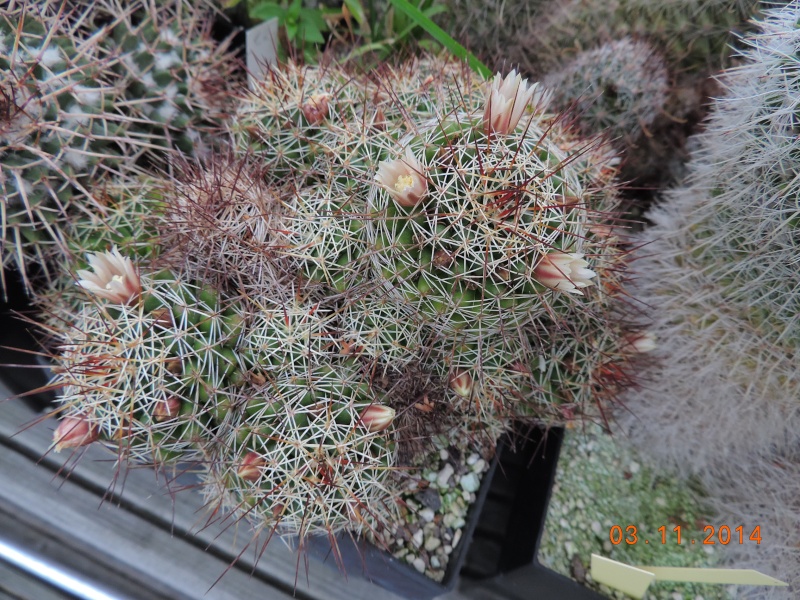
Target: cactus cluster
[89,91]
[374,260]
[692,34]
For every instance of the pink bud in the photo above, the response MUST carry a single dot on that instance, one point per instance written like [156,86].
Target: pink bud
[167,409]
[250,467]
[74,431]
[564,272]
[377,417]
[461,383]
[640,342]
[315,109]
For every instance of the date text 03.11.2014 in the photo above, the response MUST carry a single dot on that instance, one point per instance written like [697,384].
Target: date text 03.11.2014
[722,535]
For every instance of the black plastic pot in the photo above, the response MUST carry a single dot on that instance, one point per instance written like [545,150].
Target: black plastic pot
[502,558]
[22,367]
[360,558]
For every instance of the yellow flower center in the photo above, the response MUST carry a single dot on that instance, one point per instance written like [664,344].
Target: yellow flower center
[404,183]
[113,279]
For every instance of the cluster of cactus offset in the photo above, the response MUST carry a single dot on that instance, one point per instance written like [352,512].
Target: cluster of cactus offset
[371,260]
[87,91]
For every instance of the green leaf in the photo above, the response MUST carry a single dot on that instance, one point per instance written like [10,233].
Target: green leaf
[442,36]
[357,10]
[309,33]
[291,30]
[267,10]
[314,17]
[294,9]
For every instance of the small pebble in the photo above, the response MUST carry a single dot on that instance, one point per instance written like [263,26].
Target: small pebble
[432,543]
[677,596]
[470,482]
[444,454]
[634,467]
[430,498]
[479,466]
[448,549]
[417,538]
[444,475]
[456,538]
[596,527]
[419,564]
[435,562]
[473,458]
[426,514]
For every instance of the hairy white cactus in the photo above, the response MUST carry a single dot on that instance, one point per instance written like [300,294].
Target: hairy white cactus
[719,269]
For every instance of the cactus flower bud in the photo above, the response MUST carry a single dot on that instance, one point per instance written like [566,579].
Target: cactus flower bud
[461,383]
[114,278]
[640,342]
[315,109]
[250,467]
[168,409]
[505,103]
[377,417]
[404,179]
[564,272]
[74,431]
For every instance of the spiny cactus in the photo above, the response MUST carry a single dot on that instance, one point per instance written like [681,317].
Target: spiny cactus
[692,34]
[451,260]
[55,134]
[172,74]
[223,224]
[80,93]
[144,361]
[310,456]
[617,89]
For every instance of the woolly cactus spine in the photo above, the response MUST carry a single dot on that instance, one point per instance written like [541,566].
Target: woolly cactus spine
[719,269]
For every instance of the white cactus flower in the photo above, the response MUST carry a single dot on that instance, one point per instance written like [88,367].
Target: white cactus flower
[505,102]
[404,179]
[564,272]
[114,278]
